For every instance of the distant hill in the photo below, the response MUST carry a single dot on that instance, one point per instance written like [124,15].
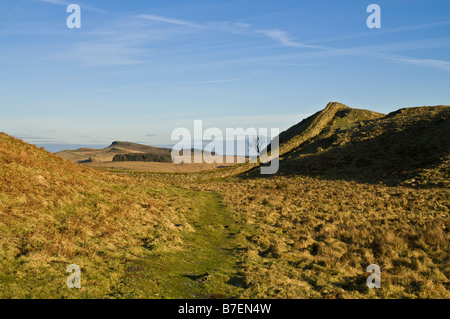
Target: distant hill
[410,146]
[86,155]
[142,158]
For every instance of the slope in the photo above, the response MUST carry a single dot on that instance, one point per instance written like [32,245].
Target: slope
[54,213]
[334,117]
[410,145]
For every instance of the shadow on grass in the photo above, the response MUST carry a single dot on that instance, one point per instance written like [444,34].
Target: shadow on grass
[393,157]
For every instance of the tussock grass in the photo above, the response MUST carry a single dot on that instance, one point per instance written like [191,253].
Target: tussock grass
[409,146]
[309,234]
[310,238]
[54,213]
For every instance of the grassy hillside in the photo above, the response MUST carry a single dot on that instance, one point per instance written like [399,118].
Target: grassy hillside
[54,213]
[310,233]
[411,145]
[335,116]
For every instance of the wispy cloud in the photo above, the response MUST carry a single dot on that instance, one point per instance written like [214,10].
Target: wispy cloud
[285,39]
[294,64]
[130,46]
[281,36]
[169,20]
[60,2]
[438,64]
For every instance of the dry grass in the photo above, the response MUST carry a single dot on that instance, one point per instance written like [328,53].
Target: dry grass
[310,238]
[156,167]
[54,213]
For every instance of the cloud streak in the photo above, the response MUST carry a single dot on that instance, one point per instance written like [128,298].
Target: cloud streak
[156,18]
[280,36]
[111,50]
[60,2]
[437,64]
[285,39]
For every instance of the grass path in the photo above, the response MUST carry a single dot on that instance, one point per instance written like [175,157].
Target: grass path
[206,265]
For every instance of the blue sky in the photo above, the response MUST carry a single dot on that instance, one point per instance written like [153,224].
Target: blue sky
[136,70]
